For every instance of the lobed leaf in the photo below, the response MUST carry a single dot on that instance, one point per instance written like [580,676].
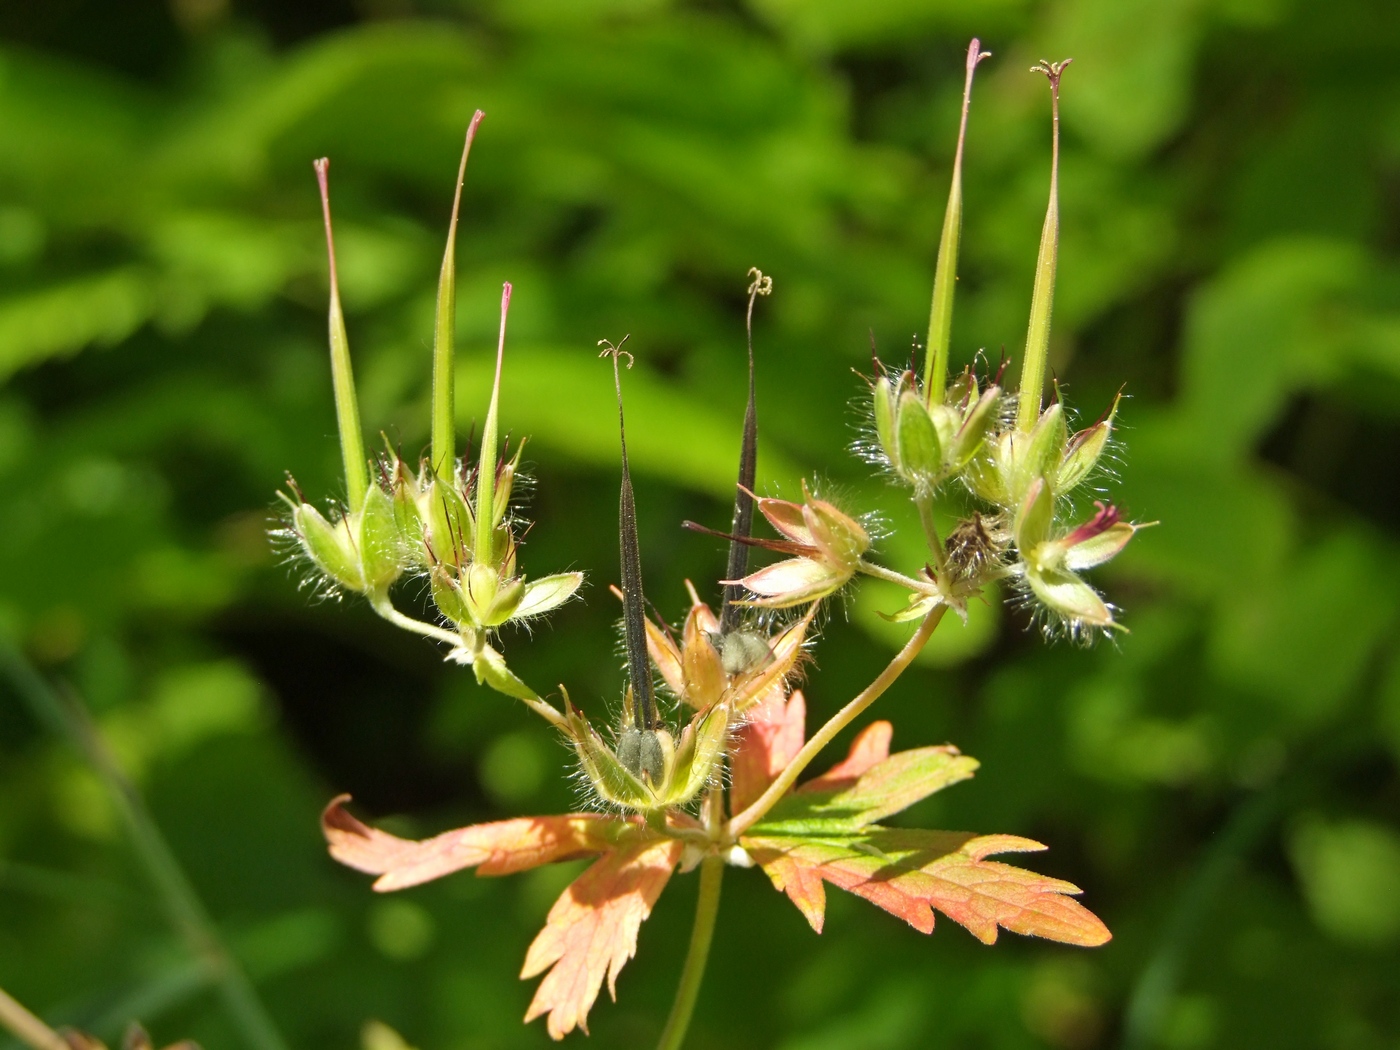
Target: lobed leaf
[911,874]
[867,786]
[499,848]
[592,929]
[764,745]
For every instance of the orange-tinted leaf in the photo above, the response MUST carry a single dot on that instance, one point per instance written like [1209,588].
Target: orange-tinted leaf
[871,745]
[765,744]
[869,785]
[500,848]
[592,929]
[912,873]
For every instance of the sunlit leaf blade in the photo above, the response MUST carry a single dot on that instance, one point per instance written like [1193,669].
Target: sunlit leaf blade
[912,873]
[498,848]
[592,929]
[770,737]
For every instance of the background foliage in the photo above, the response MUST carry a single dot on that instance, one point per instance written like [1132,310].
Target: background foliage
[1223,782]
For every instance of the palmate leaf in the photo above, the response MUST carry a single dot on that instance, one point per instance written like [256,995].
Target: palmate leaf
[591,931]
[499,848]
[826,831]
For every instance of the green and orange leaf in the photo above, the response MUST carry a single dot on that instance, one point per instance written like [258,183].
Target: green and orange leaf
[826,831]
[591,931]
[499,848]
[912,873]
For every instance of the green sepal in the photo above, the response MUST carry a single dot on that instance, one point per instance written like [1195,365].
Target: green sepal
[1038,453]
[609,777]
[1085,448]
[1064,593]
[407,518]
[1035,518]
[330,547]
[505,484]
[883,397]
[450,524]
[920,453]
[381,548]
[546,594]
[491,600]
[974,429]
[697,756]
[447,595]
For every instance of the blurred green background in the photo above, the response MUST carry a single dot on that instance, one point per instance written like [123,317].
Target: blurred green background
[1222,781]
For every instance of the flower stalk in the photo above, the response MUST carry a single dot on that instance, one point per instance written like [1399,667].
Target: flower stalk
[741,822]
[697,956]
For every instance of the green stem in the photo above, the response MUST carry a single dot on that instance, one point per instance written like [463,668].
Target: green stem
[701,934]
[27,1028]
[945,276]
[839,721]
[445,333]
[882,573]
[183,907]
[382,606]
[347,408]
[935,542]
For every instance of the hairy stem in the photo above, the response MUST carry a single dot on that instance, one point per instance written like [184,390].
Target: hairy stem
[27,1028]
[839,721]
[383,607]
[183,907]
[697,955]
[882,573]
[935,542]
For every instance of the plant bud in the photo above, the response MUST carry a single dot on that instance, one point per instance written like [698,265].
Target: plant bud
[447,595]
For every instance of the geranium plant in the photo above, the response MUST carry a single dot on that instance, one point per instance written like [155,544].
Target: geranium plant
[706,772]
